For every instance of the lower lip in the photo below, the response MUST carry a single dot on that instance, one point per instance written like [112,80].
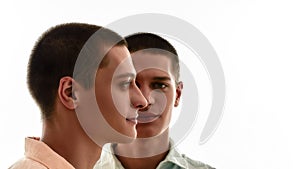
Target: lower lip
[147,119]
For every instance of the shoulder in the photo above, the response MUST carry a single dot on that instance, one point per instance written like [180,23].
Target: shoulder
[27,163]
[194,164]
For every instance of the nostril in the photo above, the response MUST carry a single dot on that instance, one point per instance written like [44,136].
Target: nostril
[144,108]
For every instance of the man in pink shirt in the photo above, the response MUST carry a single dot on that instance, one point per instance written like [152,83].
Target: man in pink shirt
[83,80]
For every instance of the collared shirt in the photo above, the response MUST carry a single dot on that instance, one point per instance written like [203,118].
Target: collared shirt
[39,155]
[174,160]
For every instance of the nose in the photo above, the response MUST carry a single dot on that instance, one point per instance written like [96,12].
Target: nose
[137,98]
[146,91]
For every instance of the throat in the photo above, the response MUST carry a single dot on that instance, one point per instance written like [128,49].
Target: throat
[143,153]
[145,163]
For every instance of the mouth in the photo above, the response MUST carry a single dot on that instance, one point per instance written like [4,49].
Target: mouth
[132,120]
[147,117]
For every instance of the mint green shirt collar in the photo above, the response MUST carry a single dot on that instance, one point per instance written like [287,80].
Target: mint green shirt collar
[174,160]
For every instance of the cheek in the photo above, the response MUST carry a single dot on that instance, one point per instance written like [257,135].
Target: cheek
[104,99]
[169,107]
[121,100]
[164,101]
[160,102]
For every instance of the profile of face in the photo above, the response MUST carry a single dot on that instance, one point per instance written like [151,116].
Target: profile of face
[156,81]
[108,111]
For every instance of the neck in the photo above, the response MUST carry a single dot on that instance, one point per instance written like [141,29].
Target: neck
[67,138]
[143,153]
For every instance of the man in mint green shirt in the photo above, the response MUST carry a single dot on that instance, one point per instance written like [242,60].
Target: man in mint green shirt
[157,66]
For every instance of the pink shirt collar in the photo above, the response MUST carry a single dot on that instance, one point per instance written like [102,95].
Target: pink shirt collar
[42,153]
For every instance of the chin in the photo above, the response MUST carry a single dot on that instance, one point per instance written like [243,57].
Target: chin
[128,138]
[129,134]
[147,131]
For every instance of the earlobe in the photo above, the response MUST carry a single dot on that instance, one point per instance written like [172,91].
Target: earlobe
[179,88]
[65,93]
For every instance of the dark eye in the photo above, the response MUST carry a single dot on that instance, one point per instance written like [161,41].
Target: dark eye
[158,85]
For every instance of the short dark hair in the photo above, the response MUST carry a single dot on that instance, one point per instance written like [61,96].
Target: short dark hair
[145,40]
[54,56]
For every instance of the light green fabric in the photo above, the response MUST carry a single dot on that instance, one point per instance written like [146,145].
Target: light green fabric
[174,160]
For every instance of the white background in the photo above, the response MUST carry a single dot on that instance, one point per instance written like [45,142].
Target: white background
[257,43]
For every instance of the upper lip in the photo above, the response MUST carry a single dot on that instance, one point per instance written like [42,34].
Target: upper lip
[147,115]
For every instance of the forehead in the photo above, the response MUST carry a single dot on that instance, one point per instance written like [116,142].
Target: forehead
[152,66]
[146,60]
[119,60]
[117,54]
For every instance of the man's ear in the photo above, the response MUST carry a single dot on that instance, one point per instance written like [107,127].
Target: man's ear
[66,92]
[179,88]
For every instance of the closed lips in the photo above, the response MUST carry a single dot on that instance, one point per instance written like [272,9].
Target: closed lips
[147,117]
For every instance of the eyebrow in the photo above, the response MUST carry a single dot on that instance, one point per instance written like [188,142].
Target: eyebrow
[126,75]
[161,78]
